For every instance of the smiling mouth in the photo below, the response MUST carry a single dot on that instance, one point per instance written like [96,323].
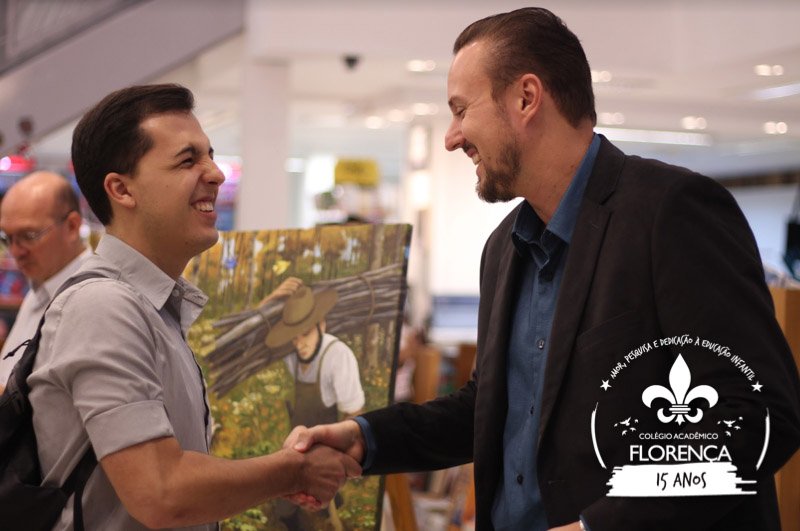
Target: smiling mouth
[472,153]
[204,206]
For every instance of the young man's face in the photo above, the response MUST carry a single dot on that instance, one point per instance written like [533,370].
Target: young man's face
[306,344]
[175,185]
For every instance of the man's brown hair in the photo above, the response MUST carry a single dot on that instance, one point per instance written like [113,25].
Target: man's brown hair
[534,40]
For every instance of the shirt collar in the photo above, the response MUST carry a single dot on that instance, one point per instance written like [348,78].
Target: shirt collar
[153,283]
[529,229]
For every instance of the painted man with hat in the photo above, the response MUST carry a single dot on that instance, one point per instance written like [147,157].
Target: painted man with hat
[325,369]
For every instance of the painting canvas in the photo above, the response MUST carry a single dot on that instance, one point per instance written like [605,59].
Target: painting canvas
[301,327]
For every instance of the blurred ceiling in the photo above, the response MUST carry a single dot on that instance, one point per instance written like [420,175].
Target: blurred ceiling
[669,73]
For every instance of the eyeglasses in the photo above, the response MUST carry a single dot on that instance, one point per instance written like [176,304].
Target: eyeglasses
[26,238]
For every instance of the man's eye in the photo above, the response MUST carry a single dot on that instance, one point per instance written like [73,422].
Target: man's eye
[187,162]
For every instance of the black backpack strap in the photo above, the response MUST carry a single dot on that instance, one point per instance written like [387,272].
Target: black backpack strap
[15,349]
[76,482]
[79,476]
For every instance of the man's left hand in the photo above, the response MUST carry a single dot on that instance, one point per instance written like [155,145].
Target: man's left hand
[575,526]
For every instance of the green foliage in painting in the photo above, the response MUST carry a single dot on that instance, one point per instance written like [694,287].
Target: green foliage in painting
[250,384]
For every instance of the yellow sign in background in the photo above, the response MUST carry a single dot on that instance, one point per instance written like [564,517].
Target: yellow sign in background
[363,172]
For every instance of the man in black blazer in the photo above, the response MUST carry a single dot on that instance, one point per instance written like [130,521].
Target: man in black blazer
[630,372]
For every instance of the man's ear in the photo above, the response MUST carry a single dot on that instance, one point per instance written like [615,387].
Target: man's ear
[73,222]
[529,94]
[116,187]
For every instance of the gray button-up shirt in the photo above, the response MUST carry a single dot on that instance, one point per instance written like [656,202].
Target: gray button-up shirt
[114,368]
[30,312]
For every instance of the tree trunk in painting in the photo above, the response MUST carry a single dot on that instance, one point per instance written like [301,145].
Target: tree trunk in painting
[373,329]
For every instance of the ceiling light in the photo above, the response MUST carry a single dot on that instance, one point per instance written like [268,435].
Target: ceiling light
[648,136]
[374,122]
[611,118]
[424,109]
[420,65]
[781,91]
[419,146]
[420,189]
[776,128]
[398,115]
[601,76]
[294,165]
[693,122]
[768,70]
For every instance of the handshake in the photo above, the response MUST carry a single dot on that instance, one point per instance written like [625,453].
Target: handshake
[329,455]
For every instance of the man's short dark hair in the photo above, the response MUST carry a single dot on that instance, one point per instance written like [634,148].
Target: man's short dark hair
[534,40]
[108,137]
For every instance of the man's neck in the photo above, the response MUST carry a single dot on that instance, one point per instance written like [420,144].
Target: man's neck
[165,261]
[77,252]
[553,166]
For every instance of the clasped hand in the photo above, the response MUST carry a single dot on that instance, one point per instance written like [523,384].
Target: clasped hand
[333,453]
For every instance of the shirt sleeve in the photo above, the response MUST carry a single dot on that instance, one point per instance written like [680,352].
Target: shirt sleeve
[98,351]
[369,442]
[340,370]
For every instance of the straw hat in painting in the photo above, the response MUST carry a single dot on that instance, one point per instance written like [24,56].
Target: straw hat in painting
[303,309]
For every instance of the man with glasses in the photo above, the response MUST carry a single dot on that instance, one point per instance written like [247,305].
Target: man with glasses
[40,225]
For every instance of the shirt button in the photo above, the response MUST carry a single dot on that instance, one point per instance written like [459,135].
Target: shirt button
[532,409]
[519,479]
[540,344]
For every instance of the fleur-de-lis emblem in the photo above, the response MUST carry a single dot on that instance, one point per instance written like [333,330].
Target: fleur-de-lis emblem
[680,396]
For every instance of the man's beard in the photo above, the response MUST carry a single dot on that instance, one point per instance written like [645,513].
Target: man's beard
[499,183]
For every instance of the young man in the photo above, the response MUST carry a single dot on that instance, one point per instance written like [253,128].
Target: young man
[40,223]
[114,370]
[607,256]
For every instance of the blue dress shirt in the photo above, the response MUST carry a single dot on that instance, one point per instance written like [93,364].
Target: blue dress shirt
[543,249]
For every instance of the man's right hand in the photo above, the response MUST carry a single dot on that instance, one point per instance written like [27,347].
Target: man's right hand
[344,436]
[323,471]
[283,291]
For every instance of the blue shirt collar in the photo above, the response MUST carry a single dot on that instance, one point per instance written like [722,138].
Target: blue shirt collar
[529,229]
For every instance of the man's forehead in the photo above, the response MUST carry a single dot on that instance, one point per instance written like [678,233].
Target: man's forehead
[29,203]
[468,57]
[466,70]
[174,127]
[27,216]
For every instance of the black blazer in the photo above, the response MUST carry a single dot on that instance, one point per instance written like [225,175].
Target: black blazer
[657,252]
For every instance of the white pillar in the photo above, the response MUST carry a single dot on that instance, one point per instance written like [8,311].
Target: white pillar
[264,200]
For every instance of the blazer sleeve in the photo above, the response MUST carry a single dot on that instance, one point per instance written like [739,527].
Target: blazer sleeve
[709,282]
[437,434]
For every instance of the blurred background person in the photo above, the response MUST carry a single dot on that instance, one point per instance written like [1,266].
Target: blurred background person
[40,223]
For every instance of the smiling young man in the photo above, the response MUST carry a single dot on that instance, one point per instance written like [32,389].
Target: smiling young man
[114,371]
[590,289]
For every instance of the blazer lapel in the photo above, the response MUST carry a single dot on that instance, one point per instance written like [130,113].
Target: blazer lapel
[492,401]
[584,251]
[497,335]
